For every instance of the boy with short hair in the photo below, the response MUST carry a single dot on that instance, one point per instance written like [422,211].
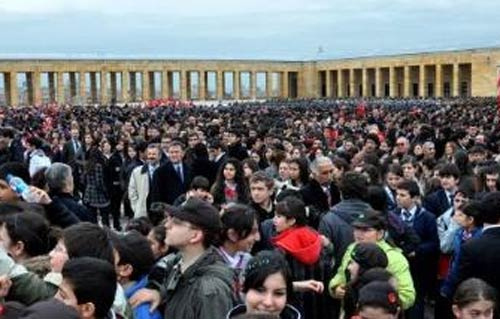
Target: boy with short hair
[423,261]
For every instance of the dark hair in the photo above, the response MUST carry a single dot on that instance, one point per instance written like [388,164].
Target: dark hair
[374,274]
[491,208]
[381,295]
[395,169]
[253,165]
[340,163]
[410,186]
[262,177]
[373,173]
[240,218]
[200,182]
[377,198]
[239,179]
[35,141]
[93,280]
[292,207]
[159,234]
[88,240]
[134,250]
[157,212]
[31,229]
[449,170]
[473,290]
[263,265]
[142,224]
[16,169]
[353,185]
[473,209]
[303,169]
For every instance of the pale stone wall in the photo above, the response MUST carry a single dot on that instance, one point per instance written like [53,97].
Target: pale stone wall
[452,73]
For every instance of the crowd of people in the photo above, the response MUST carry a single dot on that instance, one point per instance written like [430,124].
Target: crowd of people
[314,208]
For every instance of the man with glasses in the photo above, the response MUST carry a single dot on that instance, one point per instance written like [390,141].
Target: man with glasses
[198,283]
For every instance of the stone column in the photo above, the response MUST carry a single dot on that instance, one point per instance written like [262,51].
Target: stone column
[202,85]
[72,85]
[184,85]
[284,78]
[146,95]
[220,85]
[93,87]
[328,84]
[269,81]
[133,86]
[113,86]
[340,81]
[378,82]
[406,81]
[352,83]
[82,87]
[152,85]
[125,86]
[456,79]
[253,85]
[392,81]
[104,87]
[422,86]
[37,91]
[439,81]
[164,85]
[60,88]
[364,81]
[11,89]
[236,85]
[52,87]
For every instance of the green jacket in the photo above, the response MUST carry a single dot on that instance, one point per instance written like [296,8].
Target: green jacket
[398,267]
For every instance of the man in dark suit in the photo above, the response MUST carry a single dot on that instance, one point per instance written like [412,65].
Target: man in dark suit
[235,149]
[172,179]
[441,200]
[321,192]
[217,157]
[73,154]
[423,261]
[15,149]
[480,257]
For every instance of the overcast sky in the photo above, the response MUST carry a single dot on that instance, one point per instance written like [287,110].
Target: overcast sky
[260,29]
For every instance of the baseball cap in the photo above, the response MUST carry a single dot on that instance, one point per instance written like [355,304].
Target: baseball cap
[370,219]
[199,213]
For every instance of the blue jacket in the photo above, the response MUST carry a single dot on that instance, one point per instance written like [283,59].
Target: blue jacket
[437,202]
[450,283]
[142,311]
[424,224]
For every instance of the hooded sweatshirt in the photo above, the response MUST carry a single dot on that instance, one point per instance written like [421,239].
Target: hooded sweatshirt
[302,243]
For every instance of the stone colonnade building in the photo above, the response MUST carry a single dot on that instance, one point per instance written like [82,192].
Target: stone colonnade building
[438,74]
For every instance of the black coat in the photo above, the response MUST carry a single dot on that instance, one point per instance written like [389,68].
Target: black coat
[480,258]
[77,209]
[237,151]
[437,202]
[313,195]
[167,185]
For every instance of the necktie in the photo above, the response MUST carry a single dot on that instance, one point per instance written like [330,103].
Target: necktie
[328,196]
[179,172]
[451,197]
[406,216]
[75,145]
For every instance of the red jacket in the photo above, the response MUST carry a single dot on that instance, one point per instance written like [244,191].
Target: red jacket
[302,243]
